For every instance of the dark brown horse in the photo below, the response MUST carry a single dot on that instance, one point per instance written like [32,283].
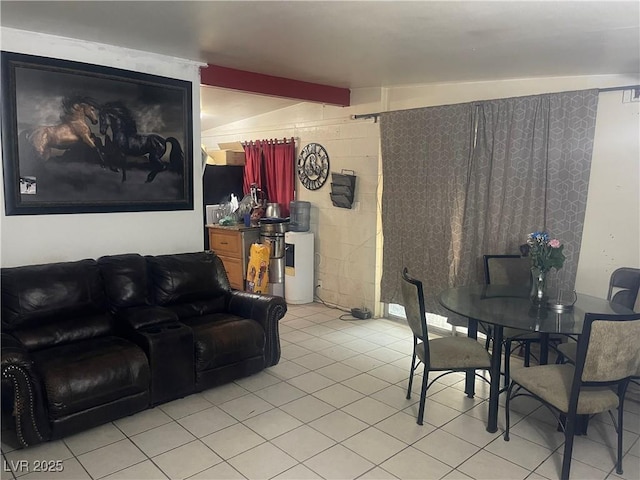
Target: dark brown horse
[72,128]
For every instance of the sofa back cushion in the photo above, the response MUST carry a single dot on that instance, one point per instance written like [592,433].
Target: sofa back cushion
[65,300]
[186,277]
[125,279]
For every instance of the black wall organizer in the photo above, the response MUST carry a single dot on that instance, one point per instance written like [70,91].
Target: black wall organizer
[343,187]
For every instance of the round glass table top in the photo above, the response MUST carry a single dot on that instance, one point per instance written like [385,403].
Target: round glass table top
[511,307]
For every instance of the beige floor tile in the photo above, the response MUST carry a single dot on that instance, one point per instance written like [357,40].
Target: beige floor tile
[339,462]
[292,351]
[187,460]
[272,423]
[263,461]
[161,439]
[280,393]
[471,430]
[246,407]
[377,473]
[404,427]
[485,465]
[364,363]
[389,373]
[520,451]
[206,421]
[303,443]
[311,382]
[23,461]
[146,470]
[454,398]
[411,464]
[224,393]
[446,447]
[258,381]
[142,421]
[435,413]
[369,410]
[551,468]
[287,369]
[316,344]
[112,458]
[338,395]
[94,438]
[299,472]
[338,425]
[366,383]
[307,408]
[185,406]
[233,440]
[456,475]
[338,371]
[222,471]
[374,445]
[396,397]
[69,469]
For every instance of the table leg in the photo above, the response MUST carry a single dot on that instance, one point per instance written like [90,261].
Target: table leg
[494,391]
[544,348]
[470,379]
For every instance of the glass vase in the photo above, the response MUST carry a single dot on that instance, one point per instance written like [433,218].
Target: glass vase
[538,287]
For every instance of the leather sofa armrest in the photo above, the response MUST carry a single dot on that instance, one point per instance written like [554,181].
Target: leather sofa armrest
[135,318]
[267,310]
[22,392]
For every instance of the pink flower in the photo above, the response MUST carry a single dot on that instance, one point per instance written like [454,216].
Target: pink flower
[555,243]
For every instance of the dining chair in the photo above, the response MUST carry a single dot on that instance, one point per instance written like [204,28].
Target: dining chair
[625,282]
[511,270]
[607,356]
[446,354]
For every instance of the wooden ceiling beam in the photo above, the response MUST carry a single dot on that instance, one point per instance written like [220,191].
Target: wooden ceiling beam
[216,76]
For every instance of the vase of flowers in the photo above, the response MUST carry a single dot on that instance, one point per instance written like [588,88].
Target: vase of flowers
[545,254]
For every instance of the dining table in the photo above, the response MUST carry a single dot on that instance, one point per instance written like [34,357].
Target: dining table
[511,306]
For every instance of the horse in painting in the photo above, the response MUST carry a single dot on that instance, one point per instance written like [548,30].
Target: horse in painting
[71,130]
[125,140]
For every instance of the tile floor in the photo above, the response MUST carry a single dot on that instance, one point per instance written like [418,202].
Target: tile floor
[333,408]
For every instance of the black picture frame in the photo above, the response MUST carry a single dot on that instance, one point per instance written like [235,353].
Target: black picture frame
[81,138]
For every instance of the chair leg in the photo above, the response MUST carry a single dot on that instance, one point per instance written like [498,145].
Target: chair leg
[413,367]
[507,363]
[423,396]
[506,412]
[527,353]
[569,434]
[622,390]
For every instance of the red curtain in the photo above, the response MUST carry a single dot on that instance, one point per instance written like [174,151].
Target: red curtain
[279,161]
[252,166]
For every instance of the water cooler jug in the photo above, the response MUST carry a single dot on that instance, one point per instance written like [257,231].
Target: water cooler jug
[298,284]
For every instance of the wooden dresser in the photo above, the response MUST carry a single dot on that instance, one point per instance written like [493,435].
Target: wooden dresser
[232,245]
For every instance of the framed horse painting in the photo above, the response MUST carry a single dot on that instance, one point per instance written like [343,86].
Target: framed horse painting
[80,138]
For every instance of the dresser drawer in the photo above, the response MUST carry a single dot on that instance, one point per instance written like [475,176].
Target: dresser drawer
[227,243]
[233,266]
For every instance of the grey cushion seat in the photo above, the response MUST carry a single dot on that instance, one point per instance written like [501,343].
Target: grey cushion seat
[552,383]
[456,352]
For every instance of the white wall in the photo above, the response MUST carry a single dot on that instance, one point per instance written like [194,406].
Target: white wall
[32,239]
[347,240]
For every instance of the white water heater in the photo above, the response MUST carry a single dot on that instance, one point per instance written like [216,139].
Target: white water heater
[298,270]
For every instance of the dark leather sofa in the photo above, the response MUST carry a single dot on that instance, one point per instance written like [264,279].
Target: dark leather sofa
[87,342]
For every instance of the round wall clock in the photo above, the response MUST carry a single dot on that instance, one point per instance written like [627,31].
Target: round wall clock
[313,166]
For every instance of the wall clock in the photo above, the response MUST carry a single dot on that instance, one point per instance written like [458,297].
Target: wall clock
[313,166]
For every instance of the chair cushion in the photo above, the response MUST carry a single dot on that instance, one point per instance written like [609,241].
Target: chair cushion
[452,353]
[82,375]
[552,383]
[223,339]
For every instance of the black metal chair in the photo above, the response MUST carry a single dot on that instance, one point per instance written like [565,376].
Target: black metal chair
[511,270]
[607,356]
[447,354]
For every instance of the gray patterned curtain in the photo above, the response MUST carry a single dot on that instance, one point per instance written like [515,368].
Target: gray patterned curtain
[509,167]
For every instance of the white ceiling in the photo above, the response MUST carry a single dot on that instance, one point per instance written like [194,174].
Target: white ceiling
[355,44]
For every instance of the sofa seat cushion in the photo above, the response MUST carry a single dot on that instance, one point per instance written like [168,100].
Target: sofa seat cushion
[90,373]
[223,339]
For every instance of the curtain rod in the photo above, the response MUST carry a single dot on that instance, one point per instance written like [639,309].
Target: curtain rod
[375,116]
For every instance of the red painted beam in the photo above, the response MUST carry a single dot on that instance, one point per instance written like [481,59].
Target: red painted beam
[215,76]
